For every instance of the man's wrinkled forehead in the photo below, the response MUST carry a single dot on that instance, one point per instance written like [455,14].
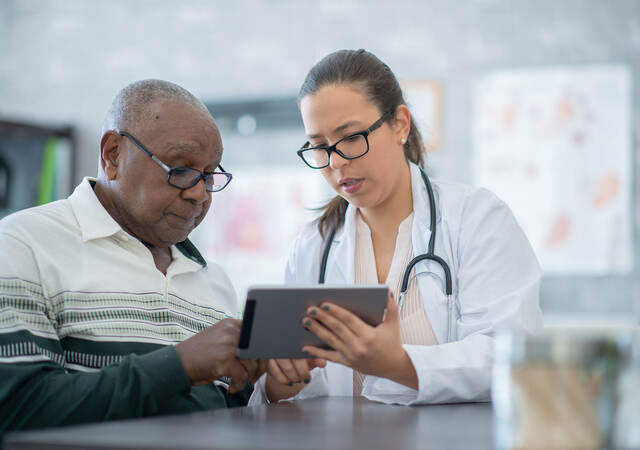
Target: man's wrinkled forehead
[179,117]
[180,129]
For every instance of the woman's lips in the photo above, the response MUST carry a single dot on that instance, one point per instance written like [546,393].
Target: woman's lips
[351,185]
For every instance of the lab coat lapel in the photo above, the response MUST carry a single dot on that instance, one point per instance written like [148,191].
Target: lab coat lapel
[340,378]
[343,251]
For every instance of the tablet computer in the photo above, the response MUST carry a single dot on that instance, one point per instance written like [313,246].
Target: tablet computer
[272,319]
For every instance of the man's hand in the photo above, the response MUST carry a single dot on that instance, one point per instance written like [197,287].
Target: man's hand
[287,377]
[292,371]
[211,354]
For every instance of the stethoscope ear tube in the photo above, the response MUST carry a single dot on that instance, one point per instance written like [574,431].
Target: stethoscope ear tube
[450,317]
[448,286]
[431,257]
[325,256]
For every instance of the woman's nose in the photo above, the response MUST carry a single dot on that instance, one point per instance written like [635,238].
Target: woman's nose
[336,161]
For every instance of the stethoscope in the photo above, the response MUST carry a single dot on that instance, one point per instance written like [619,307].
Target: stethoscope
[430,255]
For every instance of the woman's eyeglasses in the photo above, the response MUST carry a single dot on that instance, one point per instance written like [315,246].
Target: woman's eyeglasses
[353,146]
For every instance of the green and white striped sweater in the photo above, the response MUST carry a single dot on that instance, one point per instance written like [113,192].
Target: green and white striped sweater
[88,324]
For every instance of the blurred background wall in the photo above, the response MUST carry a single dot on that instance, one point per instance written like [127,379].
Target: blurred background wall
[61,63]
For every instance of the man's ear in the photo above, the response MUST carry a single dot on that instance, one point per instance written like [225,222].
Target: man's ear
[110,154]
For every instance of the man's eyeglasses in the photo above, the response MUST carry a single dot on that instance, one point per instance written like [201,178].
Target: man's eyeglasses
[349,147]
[186,177]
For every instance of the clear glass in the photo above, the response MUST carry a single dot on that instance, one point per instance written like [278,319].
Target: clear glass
[557,390]
[626,433]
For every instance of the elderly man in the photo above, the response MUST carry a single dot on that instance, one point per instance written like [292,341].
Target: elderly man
[107,310]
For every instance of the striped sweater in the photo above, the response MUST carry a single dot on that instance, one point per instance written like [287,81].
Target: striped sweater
[88,324]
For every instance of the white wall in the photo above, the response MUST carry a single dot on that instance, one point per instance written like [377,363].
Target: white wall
[62,62]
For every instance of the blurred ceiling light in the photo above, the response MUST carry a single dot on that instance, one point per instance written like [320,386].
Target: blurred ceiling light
[246,124]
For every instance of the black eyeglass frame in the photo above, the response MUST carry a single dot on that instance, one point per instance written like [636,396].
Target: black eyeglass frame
[334,148]
[170,170]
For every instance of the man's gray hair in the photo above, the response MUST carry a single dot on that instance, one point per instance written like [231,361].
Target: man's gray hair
[130,104]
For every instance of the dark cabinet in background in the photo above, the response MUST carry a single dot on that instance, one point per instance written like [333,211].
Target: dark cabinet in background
[36,165]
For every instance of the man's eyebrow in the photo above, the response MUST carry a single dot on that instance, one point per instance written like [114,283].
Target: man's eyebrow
[175,148]
[337,130]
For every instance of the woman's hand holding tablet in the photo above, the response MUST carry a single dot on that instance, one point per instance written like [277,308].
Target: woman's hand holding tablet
[371,350]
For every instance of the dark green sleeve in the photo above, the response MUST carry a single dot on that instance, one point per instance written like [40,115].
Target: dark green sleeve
[43,394]
[241,398]
[204,397]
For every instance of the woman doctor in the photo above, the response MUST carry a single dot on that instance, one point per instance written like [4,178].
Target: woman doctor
[363,141]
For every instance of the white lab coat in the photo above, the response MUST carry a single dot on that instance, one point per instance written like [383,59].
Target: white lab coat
[496,283]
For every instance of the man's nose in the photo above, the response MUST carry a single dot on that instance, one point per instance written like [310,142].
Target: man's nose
[196,193]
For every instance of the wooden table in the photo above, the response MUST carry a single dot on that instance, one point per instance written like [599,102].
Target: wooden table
[322,423]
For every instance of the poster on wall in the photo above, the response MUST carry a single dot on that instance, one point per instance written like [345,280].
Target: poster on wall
[555,145]
[253,222]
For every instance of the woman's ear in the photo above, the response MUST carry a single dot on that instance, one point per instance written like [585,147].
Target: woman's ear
[402,124]
[110,153]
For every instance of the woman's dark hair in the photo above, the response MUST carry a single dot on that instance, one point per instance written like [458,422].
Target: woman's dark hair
[375,79]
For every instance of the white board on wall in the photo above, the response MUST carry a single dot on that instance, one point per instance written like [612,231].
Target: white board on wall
[555,144]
